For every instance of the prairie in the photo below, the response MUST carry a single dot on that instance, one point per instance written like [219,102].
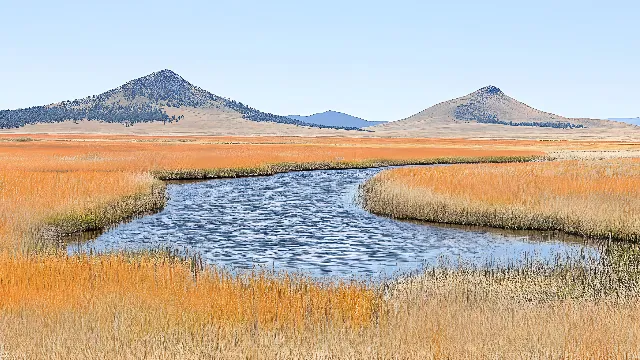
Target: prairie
[597,198]
[160,305]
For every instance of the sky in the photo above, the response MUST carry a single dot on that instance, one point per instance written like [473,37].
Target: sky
[375,60]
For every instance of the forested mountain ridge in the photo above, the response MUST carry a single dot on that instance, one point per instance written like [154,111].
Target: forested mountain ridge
[139,101]
[489,105]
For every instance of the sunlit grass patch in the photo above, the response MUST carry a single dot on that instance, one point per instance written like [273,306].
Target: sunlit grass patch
[599,199]
[184,290]
[157,305]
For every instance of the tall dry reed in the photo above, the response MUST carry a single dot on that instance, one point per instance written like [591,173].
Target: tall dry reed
[88,182]
[155,305]
[598,199]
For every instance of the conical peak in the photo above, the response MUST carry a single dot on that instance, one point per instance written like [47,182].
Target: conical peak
[162,75]
[489,90]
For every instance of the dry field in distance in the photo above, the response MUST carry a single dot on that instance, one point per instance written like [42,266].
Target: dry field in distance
[155,305]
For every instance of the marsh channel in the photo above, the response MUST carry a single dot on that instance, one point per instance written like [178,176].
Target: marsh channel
[311,222]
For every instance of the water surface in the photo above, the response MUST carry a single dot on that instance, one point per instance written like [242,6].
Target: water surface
[310,222]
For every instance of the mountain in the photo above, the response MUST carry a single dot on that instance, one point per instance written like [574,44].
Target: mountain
[632,121]
[143,100]
[489,112]
[163,103]
[335,118]
[489,105]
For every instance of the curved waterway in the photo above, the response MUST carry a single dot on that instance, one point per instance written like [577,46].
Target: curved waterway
[310,222]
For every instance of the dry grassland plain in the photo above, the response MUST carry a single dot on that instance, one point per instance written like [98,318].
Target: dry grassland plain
[590,198]
[156,305]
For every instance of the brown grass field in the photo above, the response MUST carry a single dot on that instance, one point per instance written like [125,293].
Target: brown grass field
[156,305]
[597,198]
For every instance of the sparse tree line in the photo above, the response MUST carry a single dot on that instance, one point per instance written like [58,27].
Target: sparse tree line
[128,115]
[474,112]
[163,88]
[169,89]
[123,114]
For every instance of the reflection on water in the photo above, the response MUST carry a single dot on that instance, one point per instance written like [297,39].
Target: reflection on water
[309,222]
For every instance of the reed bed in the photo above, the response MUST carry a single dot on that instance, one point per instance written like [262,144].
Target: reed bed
[106,155]
[184,288]
[35,203]
[51,187]
[159,306]
[597,199]
[125,300]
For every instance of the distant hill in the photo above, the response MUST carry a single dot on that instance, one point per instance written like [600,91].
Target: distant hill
[633,121]
[490,113]
[163,103]
[335,118]
[489,105]
[143,100]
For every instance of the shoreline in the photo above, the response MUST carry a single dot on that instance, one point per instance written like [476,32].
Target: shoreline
[399,199]
[167,299]
[57,230]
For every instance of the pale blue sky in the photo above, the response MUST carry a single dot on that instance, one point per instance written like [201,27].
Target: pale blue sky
[376,60]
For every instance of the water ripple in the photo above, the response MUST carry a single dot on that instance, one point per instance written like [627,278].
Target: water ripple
[309,222]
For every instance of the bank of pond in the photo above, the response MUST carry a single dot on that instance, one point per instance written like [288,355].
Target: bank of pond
[313,222]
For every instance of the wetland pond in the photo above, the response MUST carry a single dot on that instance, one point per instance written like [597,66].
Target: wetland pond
[311,222]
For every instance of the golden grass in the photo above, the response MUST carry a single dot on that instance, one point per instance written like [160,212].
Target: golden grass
[33,199]
[154,305]
[184,290]
[598,199]
[593,154]
[111,305]
[79,183]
